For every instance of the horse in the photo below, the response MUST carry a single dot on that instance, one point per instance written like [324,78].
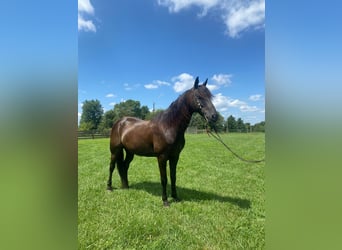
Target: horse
[161,137]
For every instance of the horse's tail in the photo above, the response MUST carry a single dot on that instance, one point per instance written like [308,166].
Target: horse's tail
[115,138]
[117,157]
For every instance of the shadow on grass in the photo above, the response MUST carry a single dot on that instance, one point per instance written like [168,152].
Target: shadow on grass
[186,194]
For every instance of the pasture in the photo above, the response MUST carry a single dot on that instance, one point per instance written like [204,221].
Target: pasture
[222,198]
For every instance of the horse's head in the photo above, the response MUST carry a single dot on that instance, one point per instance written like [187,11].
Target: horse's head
[202,101]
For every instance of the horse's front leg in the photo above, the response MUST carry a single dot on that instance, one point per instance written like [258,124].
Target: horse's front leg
[163,178]
[123,169]
[173,168]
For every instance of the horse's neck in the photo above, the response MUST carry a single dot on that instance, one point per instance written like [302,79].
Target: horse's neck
[183,122]
[179,118]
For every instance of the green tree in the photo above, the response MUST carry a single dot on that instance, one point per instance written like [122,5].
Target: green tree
[144,112]
[92,112]
[259,127]
[220,123]
[197,121]
[240,125]
[108,118]
[130,108]
[231,124]
[151,115]
[107,121]
[248,127]
[200,123]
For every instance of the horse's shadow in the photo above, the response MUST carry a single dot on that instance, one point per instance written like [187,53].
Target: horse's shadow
[187,194]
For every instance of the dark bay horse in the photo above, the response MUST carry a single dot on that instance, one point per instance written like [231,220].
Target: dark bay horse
[161,137]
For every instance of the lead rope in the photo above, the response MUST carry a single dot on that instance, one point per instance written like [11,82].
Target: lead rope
[218,137]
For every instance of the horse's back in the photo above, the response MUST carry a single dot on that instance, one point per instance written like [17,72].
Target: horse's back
[132,134]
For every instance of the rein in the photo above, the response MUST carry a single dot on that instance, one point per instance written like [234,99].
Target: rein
[218,138]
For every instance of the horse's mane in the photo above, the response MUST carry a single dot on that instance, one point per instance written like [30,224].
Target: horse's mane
[176,111]
[179,108]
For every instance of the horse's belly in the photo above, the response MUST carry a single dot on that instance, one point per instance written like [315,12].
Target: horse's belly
[144,145]
[138,141]
[142,148]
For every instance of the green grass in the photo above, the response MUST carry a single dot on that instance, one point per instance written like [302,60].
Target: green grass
[222,207]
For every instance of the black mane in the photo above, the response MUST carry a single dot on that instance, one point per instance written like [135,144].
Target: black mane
[177,110]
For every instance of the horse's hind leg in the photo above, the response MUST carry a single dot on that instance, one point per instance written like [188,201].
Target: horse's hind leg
[116,157]
[123,169]
[111,169]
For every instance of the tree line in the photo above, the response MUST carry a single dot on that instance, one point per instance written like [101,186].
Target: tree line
[93,118]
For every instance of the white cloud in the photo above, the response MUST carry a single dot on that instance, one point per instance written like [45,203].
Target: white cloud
[79,117]
[255,98]
[151,86]
[237,15]
[183,82]
[212,87]
[178,5]
[244,16]
[112,104]
[130,87]
[161,83]
[85,8]
[222,79]
[156,84]
[110,95]
[127,87]
[247,108]
[223,103]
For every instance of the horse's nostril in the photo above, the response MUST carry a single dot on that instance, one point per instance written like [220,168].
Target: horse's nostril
[214,117]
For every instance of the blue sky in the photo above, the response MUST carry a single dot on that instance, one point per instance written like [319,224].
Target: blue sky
[152,50]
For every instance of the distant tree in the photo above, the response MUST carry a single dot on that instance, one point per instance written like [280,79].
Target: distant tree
[248,127]
[151,115]
[231,124]
[220,123]
[200,123]
[259,127]
[92,112]
[144,112]
[107,121]
[197,121]
[130,108]
[240,125]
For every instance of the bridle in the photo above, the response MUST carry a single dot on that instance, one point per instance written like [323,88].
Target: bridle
[200,106]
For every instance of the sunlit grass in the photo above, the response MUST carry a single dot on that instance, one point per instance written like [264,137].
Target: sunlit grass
[222,199]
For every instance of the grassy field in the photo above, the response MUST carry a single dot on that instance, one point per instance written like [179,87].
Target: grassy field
[222,207]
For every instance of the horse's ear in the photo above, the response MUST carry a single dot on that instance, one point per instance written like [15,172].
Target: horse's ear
[205,83]
[196,83]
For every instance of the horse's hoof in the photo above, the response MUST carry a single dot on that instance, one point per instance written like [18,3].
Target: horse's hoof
[109,188]
[166,203]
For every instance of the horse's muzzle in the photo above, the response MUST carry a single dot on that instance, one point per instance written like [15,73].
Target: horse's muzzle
[211,118]
[214,117]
